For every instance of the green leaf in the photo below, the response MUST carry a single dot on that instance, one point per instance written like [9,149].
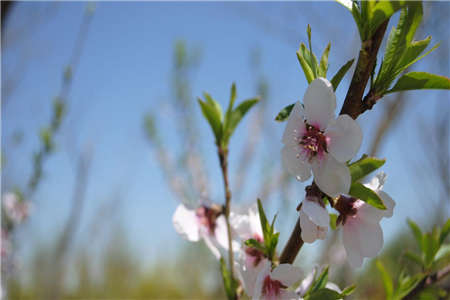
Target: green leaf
[214,117]
[324,294]
[348,290]
[229,283]
[312,58]
[254,244]
[414,258]
[420,81]
[321,281]
[236,117]
[407,284]
[364,166]
[444,232]
[431,246]
[358,190]
[264,223]
[284,113]
[230,106]
[415,60]
[304,63]
[379,12]
[341,73]
[333,219]
[412,52]
[416,232]
[323,67]
[387,280]
[443,255]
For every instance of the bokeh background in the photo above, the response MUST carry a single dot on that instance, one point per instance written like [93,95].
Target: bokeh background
[132,143]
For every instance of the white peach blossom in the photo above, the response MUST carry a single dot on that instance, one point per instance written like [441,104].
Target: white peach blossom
[315,141]
[362,233]
[274,284]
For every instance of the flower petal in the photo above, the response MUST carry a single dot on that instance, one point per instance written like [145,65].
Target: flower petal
[316,213]
[186,224]
[320,103]
[306,283]
[345,137]
[377,182]
[295,126]
[310,231]
[287,274]
[221,235]
[212,244]
[265,270]
[371,239]
[294,164]
[388,202]
[331,176]
[288,295]
[352,245]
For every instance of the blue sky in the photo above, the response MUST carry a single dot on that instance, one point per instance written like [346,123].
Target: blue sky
[125,71]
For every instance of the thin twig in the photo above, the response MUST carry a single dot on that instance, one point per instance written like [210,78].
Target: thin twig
[223,158]
[428,281]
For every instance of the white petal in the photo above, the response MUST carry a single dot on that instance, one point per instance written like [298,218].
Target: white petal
[377,182]
[369,214]
[333,286]
[221,235]
[320,103]
[287,274]
[294,164]
[306,283]
[371,237]
[345,137]
[288,295]
[212,244]
[388,202]
[352,245]
[186,224]
[295,126]
[331,176]
[265,270]
[317,214]
[309,229]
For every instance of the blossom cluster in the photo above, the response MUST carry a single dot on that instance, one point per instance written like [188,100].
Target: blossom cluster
[314,143]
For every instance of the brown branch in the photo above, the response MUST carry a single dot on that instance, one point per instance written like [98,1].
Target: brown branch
[353,106]
[428,281]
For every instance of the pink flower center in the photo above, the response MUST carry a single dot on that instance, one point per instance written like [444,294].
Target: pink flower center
[314,142]
[271,287]
[254,255]
[207,217]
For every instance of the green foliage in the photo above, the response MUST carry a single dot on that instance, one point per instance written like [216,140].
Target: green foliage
[318,290]
[269,234]
[223,127]
[369,15]
[324,294]
[365,194]
[284,113]
[364,166]
[432,252]
[229,282]
[341,73]
[420,81]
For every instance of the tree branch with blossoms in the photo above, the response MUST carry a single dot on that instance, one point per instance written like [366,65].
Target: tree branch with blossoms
[318,145]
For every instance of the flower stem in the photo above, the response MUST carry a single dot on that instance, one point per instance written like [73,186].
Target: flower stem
[223,158]
[353,106]
[427,281]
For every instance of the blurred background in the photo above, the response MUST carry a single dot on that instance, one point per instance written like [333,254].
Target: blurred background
[102,138]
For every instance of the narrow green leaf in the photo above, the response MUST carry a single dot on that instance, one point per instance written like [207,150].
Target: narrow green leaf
[417,233]
[407,284]
[365,194]
[416,60]
[230,107]
[348,290]
[305,66]
[364,166]
[325,294]
[333,219]
[321,281]
[431,246]
[312,61]
[254,244]
[213,117]
[264,223]
[380,11]
[323,67]
[387,280]
[444,232]
[414,258]
[443,255]
[420,81]
[411,53]
[341,73]
[284,113]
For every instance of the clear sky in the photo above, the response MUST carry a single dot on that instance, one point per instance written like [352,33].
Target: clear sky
[125,71]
